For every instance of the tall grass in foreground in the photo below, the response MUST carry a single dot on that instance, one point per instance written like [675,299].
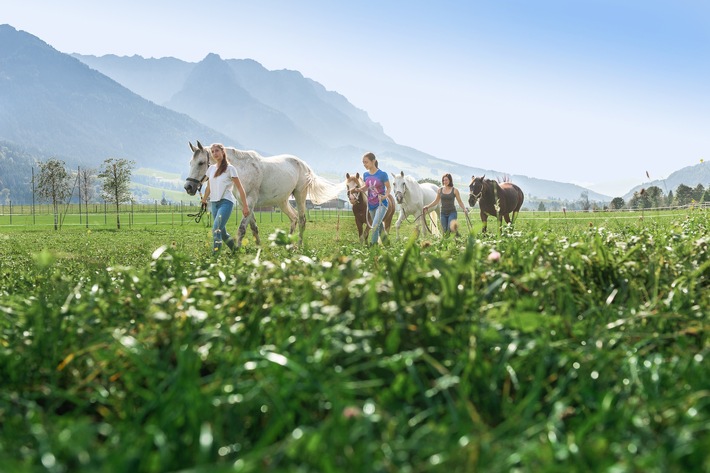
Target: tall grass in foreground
[576,348]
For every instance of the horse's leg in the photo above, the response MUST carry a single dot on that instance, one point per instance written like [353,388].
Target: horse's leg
[514,217]
[248,220]
[484,221]
[422,221]
[290,213]
[301,204]
[254,228]
[389,215]
[243,229]
[516,210]
[399,222]
[358,223]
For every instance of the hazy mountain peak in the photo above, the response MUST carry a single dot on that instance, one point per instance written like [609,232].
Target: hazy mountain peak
[211,57]
[214,74]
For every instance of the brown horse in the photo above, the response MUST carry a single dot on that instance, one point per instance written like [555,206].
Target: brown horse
[497,200]
[359,202]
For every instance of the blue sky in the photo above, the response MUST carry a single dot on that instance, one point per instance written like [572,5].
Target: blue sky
[592,92]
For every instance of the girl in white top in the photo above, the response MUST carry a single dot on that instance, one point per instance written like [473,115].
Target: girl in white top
[223,178]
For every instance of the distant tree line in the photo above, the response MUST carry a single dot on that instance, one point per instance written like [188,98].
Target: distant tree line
[653,197]
[647,198]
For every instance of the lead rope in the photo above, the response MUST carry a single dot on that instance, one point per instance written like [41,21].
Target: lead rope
[203,209]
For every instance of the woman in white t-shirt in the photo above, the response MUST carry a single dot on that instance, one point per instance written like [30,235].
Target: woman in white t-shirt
[223,178]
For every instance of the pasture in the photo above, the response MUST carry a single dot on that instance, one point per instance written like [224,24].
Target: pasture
[569,343]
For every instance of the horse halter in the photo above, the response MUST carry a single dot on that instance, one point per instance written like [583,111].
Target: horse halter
[399,195]
[477,196]
[197,181]
[354,195]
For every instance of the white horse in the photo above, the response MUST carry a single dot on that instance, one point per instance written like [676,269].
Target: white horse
[266,181]
[411,198]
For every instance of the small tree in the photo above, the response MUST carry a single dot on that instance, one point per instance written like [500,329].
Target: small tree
[86,189]
[683,195]
[655,197]
[541,206]
[116,175]
[53,185]
[641,200]
[698,193]
[617,203]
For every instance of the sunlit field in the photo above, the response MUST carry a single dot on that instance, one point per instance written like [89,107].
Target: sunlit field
[570,342]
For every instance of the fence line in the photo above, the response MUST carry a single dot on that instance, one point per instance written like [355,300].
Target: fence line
[103,215]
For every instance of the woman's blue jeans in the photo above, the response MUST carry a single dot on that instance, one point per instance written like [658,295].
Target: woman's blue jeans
[377,226]
[446,221]
[221,211]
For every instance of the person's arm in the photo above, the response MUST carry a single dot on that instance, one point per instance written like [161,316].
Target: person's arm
[242,195]
[433,202]
[458,198]
[206,195]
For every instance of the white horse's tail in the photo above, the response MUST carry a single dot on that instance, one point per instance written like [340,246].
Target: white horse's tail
[321,190]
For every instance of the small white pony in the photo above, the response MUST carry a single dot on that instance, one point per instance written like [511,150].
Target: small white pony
[266,181]
[411,198]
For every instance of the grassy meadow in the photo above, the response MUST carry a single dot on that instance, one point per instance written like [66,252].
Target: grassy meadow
[569,343]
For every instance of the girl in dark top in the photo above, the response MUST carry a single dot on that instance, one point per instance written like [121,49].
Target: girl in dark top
[447,194]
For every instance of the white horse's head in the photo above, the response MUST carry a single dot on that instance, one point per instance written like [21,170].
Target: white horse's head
[399,187]
[198,168]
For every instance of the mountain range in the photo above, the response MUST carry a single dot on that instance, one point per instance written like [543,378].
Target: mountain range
[85,109]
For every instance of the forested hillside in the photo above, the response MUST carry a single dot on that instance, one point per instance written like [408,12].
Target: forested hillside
[16,166]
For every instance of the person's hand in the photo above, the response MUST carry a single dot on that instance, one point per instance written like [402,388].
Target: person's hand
[465,210]
[245,211]
[426,209]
